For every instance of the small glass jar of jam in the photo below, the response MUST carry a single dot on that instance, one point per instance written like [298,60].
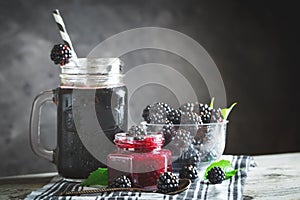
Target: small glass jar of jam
[141,158]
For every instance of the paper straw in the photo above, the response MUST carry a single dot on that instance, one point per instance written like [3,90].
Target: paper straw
[63,31]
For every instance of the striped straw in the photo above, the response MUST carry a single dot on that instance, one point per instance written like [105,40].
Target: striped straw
[63,31]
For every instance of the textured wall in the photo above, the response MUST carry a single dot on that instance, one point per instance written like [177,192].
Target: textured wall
[254,44]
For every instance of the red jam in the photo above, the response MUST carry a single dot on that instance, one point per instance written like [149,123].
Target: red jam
[140,158]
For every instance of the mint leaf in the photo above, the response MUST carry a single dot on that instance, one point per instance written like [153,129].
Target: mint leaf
[225,111]
[97,177]
[225,165]
[211,105]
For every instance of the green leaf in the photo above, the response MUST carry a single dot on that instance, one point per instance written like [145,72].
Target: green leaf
[225,165]
[97,177]
[212,103]
[225,111]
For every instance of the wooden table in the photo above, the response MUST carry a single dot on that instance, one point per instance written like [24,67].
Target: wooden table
[276,176]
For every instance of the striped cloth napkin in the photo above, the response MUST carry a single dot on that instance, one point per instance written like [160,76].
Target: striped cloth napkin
[199,189]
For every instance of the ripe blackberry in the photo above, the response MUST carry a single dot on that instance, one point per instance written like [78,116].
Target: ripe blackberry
[145,114]
[174,116]
[182,138]
[121,182]
[190,118]
[136,131]
[61,54]
[189,172]
[167,182]
[191,156]
[216,175]
[190,122]
[158,113]
[187,107]
[169,132]
[216,116]
[204,113]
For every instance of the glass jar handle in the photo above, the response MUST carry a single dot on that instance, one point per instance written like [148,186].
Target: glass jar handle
[34,129]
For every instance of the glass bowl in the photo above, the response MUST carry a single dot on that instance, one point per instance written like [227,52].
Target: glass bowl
[192,144]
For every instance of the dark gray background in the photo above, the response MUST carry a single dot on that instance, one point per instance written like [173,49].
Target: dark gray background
[255,45]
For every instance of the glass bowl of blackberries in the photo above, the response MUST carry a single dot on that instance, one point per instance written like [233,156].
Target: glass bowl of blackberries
[195,132]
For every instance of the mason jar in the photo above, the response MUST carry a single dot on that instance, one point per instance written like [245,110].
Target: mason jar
[91,108]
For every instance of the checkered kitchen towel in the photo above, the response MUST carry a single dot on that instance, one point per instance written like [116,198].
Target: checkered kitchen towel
[229,189]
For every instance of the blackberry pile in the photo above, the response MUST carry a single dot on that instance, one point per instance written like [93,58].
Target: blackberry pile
[178,129]
[167,182]
[61,54]
[189,172]
[216,175]
[121,182]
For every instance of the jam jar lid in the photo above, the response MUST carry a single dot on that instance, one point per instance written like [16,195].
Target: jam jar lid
[139,143]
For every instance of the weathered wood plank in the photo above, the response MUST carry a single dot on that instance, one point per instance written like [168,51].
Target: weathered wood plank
[275,177]
[18,187]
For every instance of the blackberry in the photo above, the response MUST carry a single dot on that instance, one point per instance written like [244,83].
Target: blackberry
[190,122]
[61,54]
[190,118]
[189,172]
[216,116]
[216,175]
[182,138]
[167,182]
[191,156]
[174,116]
[204,113]
[187,107]
[158,113]
[169,132]
[145,114]
[121,182]
[136,131]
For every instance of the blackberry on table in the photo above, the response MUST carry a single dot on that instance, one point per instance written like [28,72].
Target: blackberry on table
[189,172]
[216,115]
[61,54]
[167,182]
[216,175]
[205,113]
[121,182]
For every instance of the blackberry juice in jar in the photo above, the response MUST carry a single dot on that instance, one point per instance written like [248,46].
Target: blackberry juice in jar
[101,79]
[91,108]
[141,158]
